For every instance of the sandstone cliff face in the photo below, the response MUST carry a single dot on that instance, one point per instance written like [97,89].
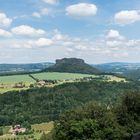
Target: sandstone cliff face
[69,61]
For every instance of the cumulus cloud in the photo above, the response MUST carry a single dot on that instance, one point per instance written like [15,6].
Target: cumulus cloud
[30,44]
[81,9]
[41,42]
[4,20]
[114,34]
[114,43]
[42,12]
[127,17]
[4,33]
[115,39]
[52,2]
[111,45]
[27,31]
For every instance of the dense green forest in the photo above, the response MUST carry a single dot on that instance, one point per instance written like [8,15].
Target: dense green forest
[45,104]
[96,122]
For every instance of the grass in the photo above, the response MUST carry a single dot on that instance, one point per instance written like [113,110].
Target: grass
[15,79]
[115,78]
[49,76]
[45,127]
[9,81]
[5,129]
[21,137]
[60,76]
[3,90]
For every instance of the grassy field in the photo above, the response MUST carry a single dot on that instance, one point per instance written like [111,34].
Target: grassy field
[49,76]
[45,127]
[72,76]
[9,81]
[115,78]
[15,79]
[60,76]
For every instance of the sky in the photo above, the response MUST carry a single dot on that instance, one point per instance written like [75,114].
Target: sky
[98,31]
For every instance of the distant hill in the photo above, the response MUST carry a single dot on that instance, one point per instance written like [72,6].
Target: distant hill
[17,68]
[72,65]
[130,70]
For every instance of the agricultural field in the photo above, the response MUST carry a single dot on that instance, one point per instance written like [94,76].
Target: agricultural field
[60,76]
[8,82]
[16,79]
[45,127]
[73,76]
[115,78]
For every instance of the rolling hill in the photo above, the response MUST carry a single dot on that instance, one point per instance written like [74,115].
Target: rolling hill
[17,68]
[129,70]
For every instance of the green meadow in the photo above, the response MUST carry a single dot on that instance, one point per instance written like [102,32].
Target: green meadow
[60,76]
[15,79]
[9,81]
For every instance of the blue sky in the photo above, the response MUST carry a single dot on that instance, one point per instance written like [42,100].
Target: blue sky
[98,31]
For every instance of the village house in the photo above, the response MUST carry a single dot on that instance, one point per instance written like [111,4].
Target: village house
[41,83]
[17,129]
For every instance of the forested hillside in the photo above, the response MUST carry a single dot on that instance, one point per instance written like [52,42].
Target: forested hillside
[45,104]
[96,122]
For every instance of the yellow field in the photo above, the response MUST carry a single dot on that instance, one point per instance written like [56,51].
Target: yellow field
[45,127]
[115,78]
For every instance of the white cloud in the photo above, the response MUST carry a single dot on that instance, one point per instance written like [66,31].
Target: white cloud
[114,43]
[34,43]
[115,39]
[4,33]
[59,37]
[27,31]
[109,46]
[81,9]
[23,45]
[43,42]
[52,2]
[127,17]
[36,14]
[4,20]
[42,12]
[118,55]
[114,34]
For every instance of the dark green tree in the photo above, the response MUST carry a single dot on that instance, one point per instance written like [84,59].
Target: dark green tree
[1,131]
